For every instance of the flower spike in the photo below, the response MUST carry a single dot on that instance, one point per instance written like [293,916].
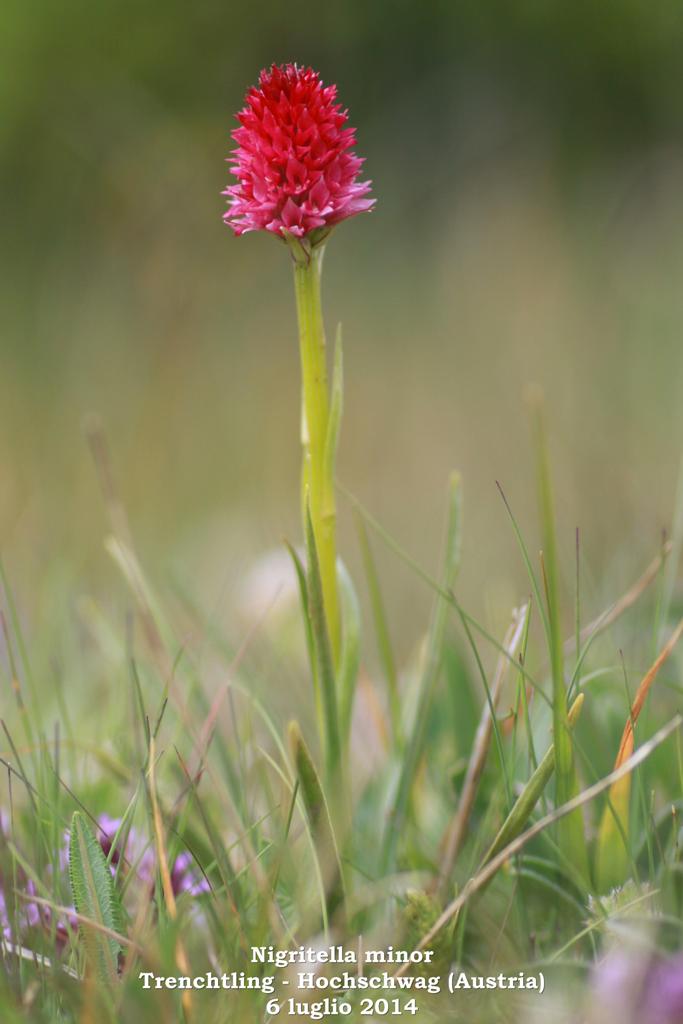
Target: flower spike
[297,174]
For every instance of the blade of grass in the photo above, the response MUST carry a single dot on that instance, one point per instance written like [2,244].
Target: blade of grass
[222,858]
[293,787]
[383,638]
[443,592]
[610,615]
[456,831]
[323,655]
[612,850]
[21,643]
[571,837]
[318,812]
[308,630]
[162,863]
[648,819]
[676,548]
[527,563]
[531,794]
[350,650]
[577,593]
[533,760]
[414,747]
[15,684]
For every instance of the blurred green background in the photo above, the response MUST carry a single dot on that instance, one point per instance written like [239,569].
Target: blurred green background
[527,160]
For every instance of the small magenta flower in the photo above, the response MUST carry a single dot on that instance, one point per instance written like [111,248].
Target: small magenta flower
[632,989]
[665,992]
[135,854]
[296,171]
[185,879]
[139,856]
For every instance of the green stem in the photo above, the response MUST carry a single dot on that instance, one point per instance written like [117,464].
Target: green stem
[317,481]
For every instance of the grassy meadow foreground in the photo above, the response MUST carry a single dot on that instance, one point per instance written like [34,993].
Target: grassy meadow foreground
[216,833]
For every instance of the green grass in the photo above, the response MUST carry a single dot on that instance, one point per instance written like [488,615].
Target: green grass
[425,813]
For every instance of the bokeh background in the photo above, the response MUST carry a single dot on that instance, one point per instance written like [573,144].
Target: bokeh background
[527,160]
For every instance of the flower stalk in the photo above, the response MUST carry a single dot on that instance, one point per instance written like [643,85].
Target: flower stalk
[298,177]
[317,478]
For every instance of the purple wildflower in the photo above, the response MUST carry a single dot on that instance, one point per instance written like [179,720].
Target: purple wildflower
[663,1002]
[632,989]
[185,879]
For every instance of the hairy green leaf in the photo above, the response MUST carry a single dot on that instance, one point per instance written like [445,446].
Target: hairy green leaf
[95,898]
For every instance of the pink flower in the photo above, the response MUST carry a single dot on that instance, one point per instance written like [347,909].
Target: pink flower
[295,168]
